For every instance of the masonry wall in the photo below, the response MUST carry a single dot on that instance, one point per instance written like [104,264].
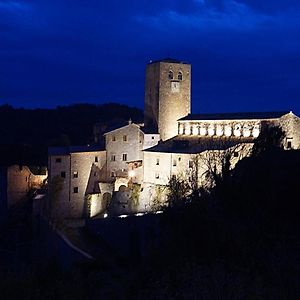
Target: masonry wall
[167,100]
[79,175]
[20,180]
[290,124]
[116,146]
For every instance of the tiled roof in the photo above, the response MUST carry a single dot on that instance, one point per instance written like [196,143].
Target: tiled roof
[195,144]
[73,149]
[235,116]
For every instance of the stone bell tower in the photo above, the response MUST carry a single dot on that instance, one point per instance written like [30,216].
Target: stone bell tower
[167,96]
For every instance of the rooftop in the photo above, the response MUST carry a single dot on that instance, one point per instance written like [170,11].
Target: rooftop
[168,60]
[235,116]
[195,144]
[73,149]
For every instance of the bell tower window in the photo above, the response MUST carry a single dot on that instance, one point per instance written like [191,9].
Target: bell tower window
[179,75]
[170,75]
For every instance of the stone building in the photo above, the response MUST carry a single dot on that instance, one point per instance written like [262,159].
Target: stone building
[167,95]
[74,181]
[134,169]
[15,184]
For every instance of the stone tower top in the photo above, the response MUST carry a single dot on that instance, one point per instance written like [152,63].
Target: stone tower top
[167,95]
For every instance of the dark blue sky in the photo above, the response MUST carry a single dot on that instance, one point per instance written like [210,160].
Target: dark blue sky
[245,54]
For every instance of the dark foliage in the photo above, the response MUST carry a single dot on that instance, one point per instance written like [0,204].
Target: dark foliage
[26,134]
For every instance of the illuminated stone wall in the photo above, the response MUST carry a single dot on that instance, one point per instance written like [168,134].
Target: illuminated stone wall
[290,124]
[79,177]
[167,96]
[127,140]
[20,180]
[221,128]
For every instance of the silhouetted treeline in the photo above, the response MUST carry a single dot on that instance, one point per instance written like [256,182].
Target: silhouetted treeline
[25,134]
[238,241]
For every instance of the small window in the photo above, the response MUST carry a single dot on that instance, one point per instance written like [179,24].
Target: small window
[96,158]
[183,129]
[170,75]
[174,162]
[113,138]
[75,174]
[179,158]
[113,174]
[190,164]
[152,137]
[113,157]
[95,174]
[63,174]
[236,154]
[157,161]
[125,138]
[289,145]
[58,160]
[191,130]
[124,157]
[179,75]
[157,175]
[75,190]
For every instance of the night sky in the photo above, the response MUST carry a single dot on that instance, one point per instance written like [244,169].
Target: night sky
[245,54]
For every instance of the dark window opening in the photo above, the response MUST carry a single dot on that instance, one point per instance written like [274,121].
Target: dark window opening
[289,144]
[170,75]
[236,154]
[58,160]
[75,190]
[124,157]
[63,174]
[125,138]
[96,158]
[75,174]
[179,76]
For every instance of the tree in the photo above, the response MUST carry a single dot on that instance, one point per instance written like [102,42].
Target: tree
[178,189]
[270,139]
[218,163]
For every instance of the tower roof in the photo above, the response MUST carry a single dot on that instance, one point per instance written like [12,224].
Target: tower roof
[168,60]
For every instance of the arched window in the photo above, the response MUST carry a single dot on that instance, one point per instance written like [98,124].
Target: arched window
[179,75]
[170,75]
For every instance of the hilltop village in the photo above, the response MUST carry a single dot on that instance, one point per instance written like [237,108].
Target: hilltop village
[132,172]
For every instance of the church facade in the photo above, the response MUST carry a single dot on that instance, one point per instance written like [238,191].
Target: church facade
[132,173]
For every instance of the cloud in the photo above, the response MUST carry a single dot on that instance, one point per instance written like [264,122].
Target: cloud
[13,6]
[218,15]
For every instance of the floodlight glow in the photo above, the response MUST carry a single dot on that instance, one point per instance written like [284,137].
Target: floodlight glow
[219,131]
[123,216]
[228,130]
[105,215]
[131,173]
[202,131]
[159,212]
[211,131]
[139,214]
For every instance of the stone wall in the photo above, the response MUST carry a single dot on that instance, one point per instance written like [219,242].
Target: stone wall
[167,99]
[20,180]
[221,128]
[290,124]
[127,140]
[79,175]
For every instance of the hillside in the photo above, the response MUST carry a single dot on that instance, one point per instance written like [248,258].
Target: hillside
[25,134]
